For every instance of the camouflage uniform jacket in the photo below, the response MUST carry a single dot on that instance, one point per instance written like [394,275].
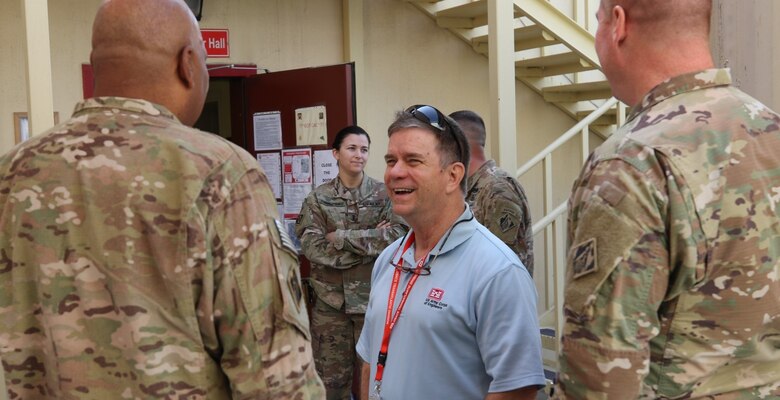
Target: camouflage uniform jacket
[499,203]
[673,281]
[341,271]
[141,258]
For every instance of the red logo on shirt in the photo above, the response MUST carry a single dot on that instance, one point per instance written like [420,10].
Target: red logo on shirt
[436,294]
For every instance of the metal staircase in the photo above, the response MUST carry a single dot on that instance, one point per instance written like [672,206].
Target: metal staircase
[555,57]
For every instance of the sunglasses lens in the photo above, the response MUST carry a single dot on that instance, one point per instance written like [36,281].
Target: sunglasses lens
[430,116]
[426,114]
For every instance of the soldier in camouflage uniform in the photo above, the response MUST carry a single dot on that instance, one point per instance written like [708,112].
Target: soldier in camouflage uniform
[141,258]
[344,224]
[673,286]
[497,199]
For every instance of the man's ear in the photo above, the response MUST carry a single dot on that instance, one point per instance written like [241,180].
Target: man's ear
[186,67]
[619,26]
[456,173]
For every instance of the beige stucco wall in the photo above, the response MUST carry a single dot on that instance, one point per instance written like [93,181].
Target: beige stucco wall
[13,93]
[744,36]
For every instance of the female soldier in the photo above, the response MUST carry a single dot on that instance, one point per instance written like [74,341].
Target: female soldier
[344,224]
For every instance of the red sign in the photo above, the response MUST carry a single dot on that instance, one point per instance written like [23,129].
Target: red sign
[216,42]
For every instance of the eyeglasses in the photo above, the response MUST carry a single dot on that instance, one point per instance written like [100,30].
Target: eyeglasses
[424,271]
[433,117]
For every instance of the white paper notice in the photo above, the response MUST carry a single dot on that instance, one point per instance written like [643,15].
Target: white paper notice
[272,165]
[267,130]
[325,167]
[296,164]
[311,126]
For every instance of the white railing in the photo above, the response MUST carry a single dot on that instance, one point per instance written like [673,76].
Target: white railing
[554,223]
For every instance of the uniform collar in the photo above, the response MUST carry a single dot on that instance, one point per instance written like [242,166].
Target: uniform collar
[344,192]
[479,174]
[115,104]
[705,79]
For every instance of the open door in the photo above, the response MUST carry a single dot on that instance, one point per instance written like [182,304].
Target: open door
[287,99]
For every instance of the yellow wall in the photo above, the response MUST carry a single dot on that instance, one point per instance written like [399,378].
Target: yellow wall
[743,37]
[13,93]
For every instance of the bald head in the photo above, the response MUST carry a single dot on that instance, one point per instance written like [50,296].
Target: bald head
[151,50]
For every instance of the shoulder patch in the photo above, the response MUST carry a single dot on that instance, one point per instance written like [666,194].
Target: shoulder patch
[506,222]
[287,242]
[295,286]
[584,260]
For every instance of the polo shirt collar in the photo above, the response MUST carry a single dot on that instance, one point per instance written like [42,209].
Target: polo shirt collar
[463,228]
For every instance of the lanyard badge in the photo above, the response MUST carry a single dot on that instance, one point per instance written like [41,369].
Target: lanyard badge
[391,318]
[374,394]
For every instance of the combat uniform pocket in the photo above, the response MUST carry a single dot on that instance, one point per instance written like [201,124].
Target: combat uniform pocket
[288,274]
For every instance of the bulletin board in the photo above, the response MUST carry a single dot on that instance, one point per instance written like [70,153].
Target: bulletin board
[310,105]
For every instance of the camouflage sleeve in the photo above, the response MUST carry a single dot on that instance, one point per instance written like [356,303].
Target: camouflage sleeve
[617,277]
[311,228]
[252,314]
[371,242]
[506,215]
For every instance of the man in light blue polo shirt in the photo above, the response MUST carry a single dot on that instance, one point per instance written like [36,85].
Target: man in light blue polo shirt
[463,319]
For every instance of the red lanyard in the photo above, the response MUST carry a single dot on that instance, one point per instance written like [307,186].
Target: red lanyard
[390,323]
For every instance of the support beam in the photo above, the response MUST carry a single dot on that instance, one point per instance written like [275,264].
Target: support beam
[40,99]
[503,114]
[354,46]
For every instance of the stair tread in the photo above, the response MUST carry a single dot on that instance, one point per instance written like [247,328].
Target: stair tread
[521,33]
[550,60]
[463,9]
[578,87]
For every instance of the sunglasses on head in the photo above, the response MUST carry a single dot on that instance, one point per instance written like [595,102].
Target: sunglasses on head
[435,119]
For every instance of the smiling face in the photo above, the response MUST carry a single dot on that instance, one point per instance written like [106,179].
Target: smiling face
[416,181]
[352,154]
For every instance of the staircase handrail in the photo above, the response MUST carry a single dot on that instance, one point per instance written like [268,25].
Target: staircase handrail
[575,130]
[549,218]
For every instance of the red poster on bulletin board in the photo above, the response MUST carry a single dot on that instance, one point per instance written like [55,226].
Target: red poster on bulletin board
[297,176]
